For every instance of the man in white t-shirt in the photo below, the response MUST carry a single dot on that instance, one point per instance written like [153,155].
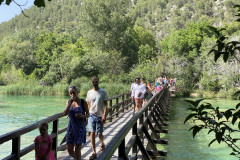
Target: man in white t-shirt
[138,92]
[97,105]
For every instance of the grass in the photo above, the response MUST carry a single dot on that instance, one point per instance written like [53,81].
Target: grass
[112,89]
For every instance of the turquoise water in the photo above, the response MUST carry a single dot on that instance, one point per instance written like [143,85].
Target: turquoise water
[182,145]
[20,111]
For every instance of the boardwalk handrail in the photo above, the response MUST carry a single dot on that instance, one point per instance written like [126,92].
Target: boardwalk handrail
[122,102]
[157,103]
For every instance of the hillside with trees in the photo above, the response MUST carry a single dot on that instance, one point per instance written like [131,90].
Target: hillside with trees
[69,41]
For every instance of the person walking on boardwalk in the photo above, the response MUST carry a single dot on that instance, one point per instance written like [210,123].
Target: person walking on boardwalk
[133,100]
[43,144]
[148,93]
[138,93]
[77,111]
[97,104]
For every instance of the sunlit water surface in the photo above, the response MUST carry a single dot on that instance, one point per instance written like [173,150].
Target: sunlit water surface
[182,146]
[20,111]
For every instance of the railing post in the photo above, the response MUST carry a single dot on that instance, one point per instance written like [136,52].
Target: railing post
[117,99]
[134,132]
[55,139]
[111,111]
[129,100]
[141,123]
[16,147]
[146,113]
[121,150]
[123,103]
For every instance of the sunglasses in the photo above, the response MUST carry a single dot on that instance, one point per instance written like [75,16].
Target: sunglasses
[94,82]
[73,93]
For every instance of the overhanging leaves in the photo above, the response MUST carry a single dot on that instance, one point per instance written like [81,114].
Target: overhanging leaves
[39,3]
[189,117]
[218,136]
[217,54]
[194,103]
[196,129]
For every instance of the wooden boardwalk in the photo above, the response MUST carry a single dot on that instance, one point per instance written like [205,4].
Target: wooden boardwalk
[110,130]
[126,136]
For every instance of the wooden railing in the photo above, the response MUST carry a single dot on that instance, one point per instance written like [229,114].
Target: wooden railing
[147,124]
[116,105]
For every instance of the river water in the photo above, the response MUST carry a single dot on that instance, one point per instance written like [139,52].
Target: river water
[20,111]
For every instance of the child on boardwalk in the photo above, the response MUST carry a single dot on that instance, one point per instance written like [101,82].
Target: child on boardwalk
[43,144]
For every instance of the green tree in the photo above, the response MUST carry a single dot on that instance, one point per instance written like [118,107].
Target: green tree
[21,55]
[105,22]
[49,48]
[186,42]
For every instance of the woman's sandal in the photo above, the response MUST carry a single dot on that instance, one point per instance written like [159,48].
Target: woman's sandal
[93,156]
[102,147]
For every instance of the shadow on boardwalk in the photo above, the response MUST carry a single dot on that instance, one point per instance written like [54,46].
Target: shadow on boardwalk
[110,129]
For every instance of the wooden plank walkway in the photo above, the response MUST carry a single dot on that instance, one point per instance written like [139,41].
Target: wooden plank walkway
[110,129]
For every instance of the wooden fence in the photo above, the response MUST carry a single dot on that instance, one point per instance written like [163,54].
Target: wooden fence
[116,105]
[147,124]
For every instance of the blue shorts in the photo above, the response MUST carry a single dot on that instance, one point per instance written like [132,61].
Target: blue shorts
[95,124]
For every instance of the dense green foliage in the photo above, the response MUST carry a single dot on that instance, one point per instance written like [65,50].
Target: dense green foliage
[119,40]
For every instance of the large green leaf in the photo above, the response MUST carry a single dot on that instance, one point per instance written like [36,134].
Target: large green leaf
[217,54]
[228,113]
[219,136]
[235,116]
[225,56]
[196,129]
[189,117]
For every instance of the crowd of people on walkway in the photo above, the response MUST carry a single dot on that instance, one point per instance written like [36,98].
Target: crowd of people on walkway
[142,91]
[161,81]
[92,113]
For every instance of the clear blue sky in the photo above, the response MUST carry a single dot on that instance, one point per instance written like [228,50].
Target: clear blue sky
[8,12]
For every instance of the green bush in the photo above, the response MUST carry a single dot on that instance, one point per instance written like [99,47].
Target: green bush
[209,83]
[60,89]
[114,89]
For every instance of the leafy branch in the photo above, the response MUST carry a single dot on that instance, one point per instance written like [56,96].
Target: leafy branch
[20,6]
[38,3]
[215,121]
[222,47]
